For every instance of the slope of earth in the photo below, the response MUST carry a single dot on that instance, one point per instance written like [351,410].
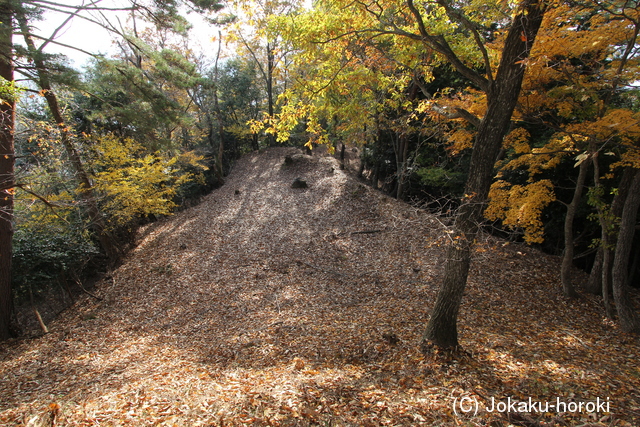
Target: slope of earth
[270,305]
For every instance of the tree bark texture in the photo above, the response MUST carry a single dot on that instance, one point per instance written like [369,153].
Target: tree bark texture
[596,276]
[606,276]
[7,162]
[594,282]
[627,315]
[502,96]
[567,259]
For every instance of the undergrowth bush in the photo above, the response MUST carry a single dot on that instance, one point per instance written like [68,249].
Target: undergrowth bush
[48,259]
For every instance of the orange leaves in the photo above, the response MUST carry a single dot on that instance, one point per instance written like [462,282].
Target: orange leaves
[521,206]
[536,160]
[562,34]
[523,36]
[518,139]
[459,140]
[616,123]
[571,69]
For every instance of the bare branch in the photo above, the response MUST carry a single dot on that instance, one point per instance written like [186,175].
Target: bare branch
[49,204]
[49,4]
[49,40]
[57,30]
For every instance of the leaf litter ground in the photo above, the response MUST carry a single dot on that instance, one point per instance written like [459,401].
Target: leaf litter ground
[269,305]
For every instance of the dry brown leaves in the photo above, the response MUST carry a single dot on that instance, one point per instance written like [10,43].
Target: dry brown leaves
[267,305]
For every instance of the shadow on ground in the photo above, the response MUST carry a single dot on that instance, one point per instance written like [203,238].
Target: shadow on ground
[270,305]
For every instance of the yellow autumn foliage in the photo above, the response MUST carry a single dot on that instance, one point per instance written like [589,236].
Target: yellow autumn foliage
[33,216]
[136,184]
[539,159]
[518,140]
[520,207]
[460,139]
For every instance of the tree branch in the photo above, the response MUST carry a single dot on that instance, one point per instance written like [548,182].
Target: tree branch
[459,113]
[49,40]
[457,15]
[49,4]
[50,205]
[440,44]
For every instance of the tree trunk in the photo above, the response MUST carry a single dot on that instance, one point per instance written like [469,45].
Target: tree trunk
[502,96]
[628,318]
[375,177]
[86,189]
[401,150]
[594,283]
[606,276]
[7,162]
[608,237]
[442,329]
[567,259]
[271,65]
[219,117]
[633,269]
[609,234]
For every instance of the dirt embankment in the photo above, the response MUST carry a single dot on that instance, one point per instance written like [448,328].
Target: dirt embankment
[272,305]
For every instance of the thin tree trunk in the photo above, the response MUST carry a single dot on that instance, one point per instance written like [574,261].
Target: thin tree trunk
[267,75]
[502,96]
[403,143]
[594,283]
[7,162]
[219,117]
[401,161]
[606,277]
[219,168]
[567,259]
[607,238]
[627,316]
[271,64]
[86,189]
[375,177]
[442,329]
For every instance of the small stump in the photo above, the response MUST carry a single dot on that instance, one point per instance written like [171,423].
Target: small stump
[299,183]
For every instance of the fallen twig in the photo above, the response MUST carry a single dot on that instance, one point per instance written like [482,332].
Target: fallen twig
[366,232]
[86,291]
[40,321]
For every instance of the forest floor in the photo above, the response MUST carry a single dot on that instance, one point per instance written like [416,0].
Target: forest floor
[267,305]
